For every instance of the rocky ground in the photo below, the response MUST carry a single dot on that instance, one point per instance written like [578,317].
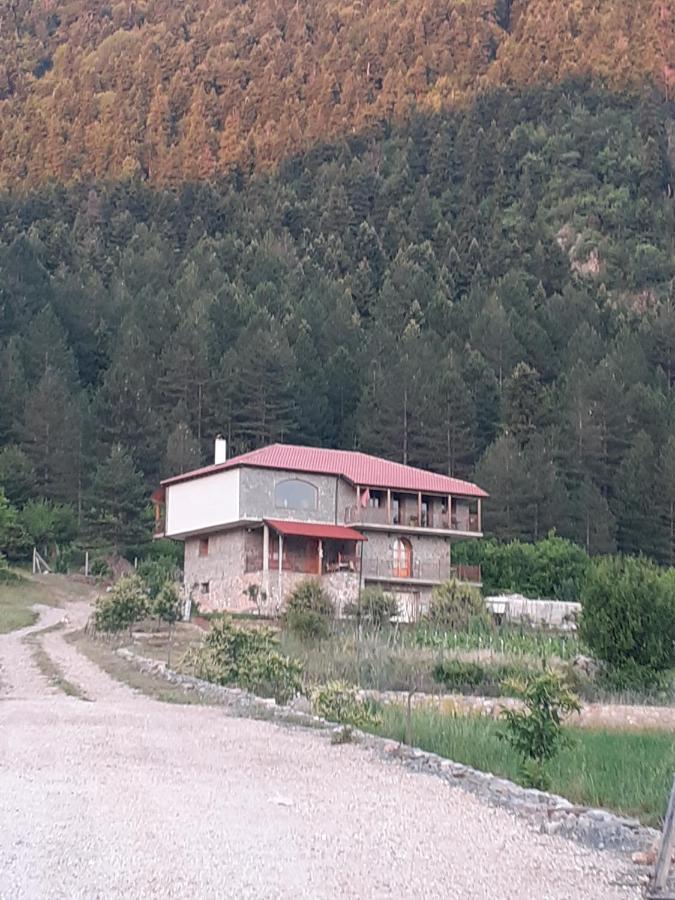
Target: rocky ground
[121,795]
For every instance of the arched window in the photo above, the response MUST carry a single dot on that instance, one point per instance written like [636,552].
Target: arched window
[295,494]
[402,558]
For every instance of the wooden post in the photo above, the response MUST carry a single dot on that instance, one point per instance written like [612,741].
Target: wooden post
[86,563]
[449,510]
[389,506]
[480,516]
[666,849]
[266,560]
[320,555]
[34,561]
[419,509]
[281,563]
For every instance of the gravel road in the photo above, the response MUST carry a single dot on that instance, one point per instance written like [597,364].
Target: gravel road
[124,796]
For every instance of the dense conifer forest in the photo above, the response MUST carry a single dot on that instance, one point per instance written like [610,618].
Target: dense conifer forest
[443,261]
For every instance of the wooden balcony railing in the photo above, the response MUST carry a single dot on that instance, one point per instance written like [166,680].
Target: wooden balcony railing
[434,571]
[377,515]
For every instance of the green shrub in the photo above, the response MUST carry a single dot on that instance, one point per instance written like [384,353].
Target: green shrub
[456,674]
[122,606]
[309,611]
[247,657]
[6,574]
[492,680]
[271,674]
[166,604]
[628,618]
[456,607]
[536,732]
[99,568]
[374,607]
[554,567]
[340,702]
[157,572]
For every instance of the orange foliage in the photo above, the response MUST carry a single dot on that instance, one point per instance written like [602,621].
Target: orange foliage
[98,88]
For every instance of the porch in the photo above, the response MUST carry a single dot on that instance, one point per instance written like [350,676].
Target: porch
[305,548]
[404,511]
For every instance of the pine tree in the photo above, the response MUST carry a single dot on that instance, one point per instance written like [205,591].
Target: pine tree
[636,503]
[118,504]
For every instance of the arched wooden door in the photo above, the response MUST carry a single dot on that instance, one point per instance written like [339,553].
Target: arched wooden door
[402,558]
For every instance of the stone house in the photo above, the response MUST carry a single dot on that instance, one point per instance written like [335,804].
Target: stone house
[255,525]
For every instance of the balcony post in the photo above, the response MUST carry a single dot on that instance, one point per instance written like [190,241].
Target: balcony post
[281,565]
[480,518]
[320,556]
[389,506]
[419,509]
[450,511]
[266,560]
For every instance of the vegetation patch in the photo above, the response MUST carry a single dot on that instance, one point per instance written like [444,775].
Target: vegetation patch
[50,669]
[628,772]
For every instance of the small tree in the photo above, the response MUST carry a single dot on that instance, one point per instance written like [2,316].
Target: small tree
[628,617]
[125,604]
[536,731]
[158,572]
[373,607]
[456,606]
[309,610]
[166,606]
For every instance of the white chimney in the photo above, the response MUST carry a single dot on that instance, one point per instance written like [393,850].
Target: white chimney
[220,454]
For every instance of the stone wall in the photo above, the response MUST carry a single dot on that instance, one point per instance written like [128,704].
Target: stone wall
[224,570]
[256,498]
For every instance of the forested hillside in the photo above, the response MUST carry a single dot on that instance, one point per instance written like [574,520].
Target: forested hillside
[179,91]
[488,292]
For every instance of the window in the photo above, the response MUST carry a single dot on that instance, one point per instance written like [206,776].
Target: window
[203,546]
[402,558]
[295,494]
[204,587]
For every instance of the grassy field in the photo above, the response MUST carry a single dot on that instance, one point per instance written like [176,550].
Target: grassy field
[629,772]
[16,599]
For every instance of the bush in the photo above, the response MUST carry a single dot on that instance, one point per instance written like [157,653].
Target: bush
[6,574]
[456,607]
[121,607]
[309,611]
[271,674]
[471,677]
[554,567]
[166,604]
[158,572]
[247,657]
[373,607]
[99,568]
[536,732]
[455,674]
[340,702]
[628,618]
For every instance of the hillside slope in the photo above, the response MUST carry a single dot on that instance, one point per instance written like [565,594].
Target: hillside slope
[181,91]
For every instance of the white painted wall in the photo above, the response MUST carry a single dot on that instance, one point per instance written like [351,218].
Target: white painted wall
[202,503]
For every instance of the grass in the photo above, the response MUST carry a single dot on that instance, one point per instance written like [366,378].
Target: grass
[104,656]
[16,600]
[628,772]
[48,667]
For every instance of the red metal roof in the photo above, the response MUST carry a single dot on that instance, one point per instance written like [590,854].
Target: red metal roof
[315,530]
[359,468]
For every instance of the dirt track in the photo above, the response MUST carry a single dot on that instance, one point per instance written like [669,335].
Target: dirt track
[125,796]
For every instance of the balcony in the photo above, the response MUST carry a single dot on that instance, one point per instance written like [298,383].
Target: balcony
[465,522]
[422,571]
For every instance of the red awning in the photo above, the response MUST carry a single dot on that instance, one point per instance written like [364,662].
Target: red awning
[315,530]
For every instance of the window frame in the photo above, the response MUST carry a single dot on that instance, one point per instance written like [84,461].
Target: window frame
[296,481]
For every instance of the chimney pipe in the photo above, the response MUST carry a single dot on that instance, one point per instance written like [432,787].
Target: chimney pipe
[220,453]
